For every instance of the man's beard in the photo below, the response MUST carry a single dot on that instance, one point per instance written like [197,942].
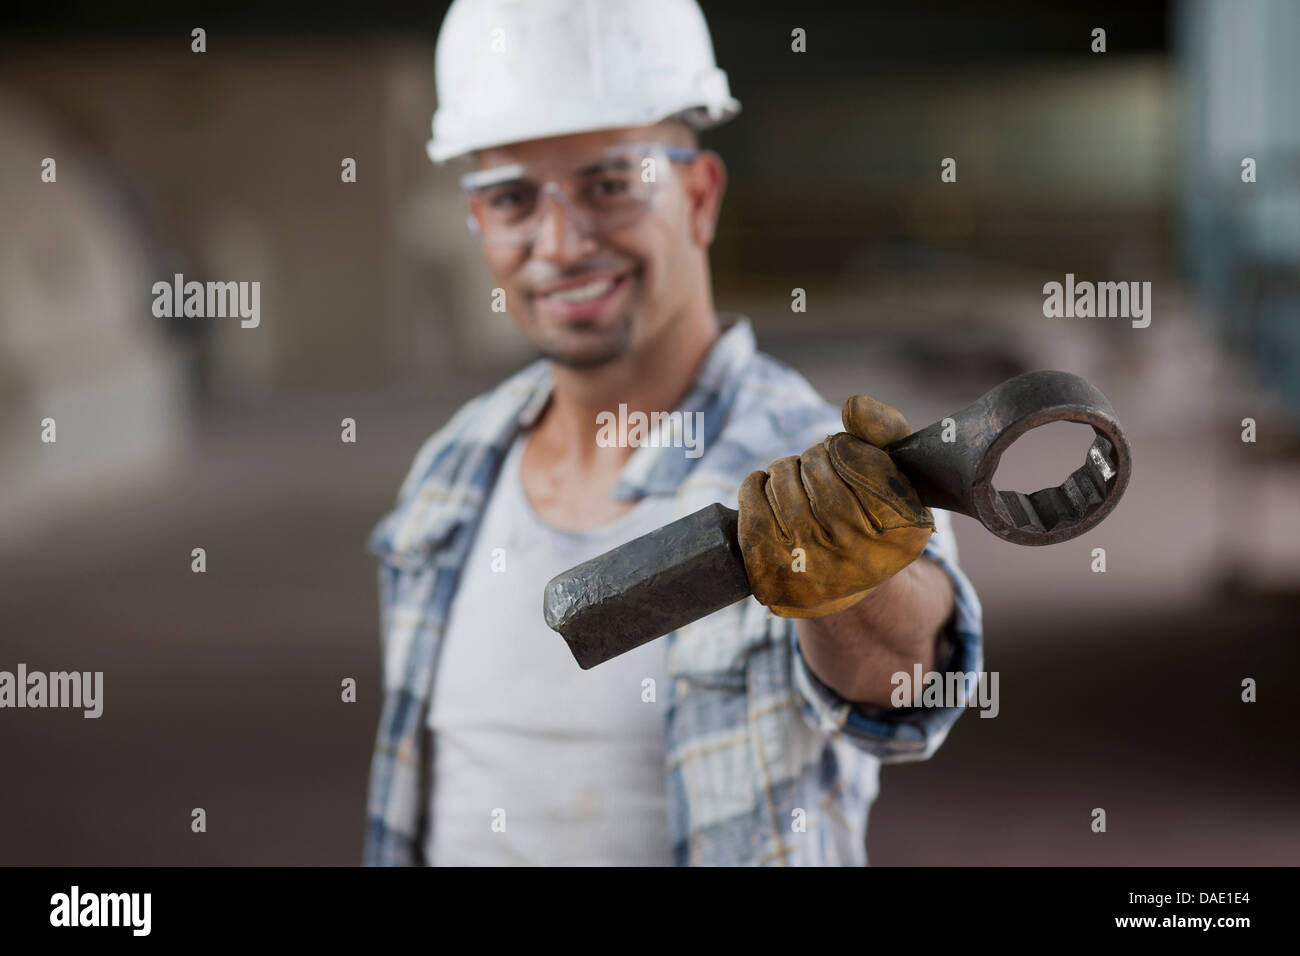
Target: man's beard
[564,350]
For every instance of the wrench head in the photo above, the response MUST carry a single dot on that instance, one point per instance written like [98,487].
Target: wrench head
[1082,500]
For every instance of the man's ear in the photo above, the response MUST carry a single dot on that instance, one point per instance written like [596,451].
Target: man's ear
[705,181]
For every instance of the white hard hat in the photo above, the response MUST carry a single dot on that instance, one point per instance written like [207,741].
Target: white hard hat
[511,70]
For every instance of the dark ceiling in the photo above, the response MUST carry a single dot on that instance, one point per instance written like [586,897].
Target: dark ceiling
[837,31]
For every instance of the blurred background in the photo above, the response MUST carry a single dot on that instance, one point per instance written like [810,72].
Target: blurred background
[1118,690]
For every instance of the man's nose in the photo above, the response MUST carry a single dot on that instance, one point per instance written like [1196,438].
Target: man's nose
[561,235]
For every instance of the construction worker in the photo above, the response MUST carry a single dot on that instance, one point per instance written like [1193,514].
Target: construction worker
[755,735]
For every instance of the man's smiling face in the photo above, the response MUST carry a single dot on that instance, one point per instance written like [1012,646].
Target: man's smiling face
[587,296]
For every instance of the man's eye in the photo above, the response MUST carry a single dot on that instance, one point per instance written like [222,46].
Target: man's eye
[508,200]
[609,187]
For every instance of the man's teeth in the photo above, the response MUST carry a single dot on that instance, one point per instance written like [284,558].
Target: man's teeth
[583,293]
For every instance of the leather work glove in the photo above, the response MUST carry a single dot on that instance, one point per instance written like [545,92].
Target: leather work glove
[857,519]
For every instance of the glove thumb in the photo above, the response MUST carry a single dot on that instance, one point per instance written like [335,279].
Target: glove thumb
[874,422]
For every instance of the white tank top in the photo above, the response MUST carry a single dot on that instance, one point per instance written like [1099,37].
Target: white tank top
[536,761]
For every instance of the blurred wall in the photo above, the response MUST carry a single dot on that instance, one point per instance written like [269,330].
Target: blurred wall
[77,362]
[236,155]
[1241,240]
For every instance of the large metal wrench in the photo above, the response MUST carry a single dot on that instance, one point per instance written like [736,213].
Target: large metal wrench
[685,570]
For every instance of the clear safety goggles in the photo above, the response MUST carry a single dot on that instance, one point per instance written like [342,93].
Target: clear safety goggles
[609,190]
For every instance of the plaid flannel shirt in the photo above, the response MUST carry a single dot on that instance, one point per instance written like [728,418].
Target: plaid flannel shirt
[752,736]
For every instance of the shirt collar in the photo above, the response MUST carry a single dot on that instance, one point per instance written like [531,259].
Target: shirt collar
[660,470]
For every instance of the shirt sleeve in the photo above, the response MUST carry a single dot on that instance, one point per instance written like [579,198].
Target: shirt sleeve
[904,733]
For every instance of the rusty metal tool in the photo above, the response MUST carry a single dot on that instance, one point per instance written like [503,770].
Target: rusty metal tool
[683,571]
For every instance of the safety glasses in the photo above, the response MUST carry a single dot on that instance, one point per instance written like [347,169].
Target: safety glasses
[609,190]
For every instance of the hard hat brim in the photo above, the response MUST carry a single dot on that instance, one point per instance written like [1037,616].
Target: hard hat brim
[698,116]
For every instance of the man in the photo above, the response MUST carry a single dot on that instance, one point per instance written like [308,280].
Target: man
[753,736]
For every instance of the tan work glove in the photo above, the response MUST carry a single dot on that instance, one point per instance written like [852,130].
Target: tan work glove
[857,519]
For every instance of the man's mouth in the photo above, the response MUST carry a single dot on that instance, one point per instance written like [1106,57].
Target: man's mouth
[582,300]
[583,293]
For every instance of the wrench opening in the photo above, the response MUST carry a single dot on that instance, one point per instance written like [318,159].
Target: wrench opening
[1069,502]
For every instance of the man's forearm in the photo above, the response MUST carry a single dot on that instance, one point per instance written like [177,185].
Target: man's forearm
[856,651]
